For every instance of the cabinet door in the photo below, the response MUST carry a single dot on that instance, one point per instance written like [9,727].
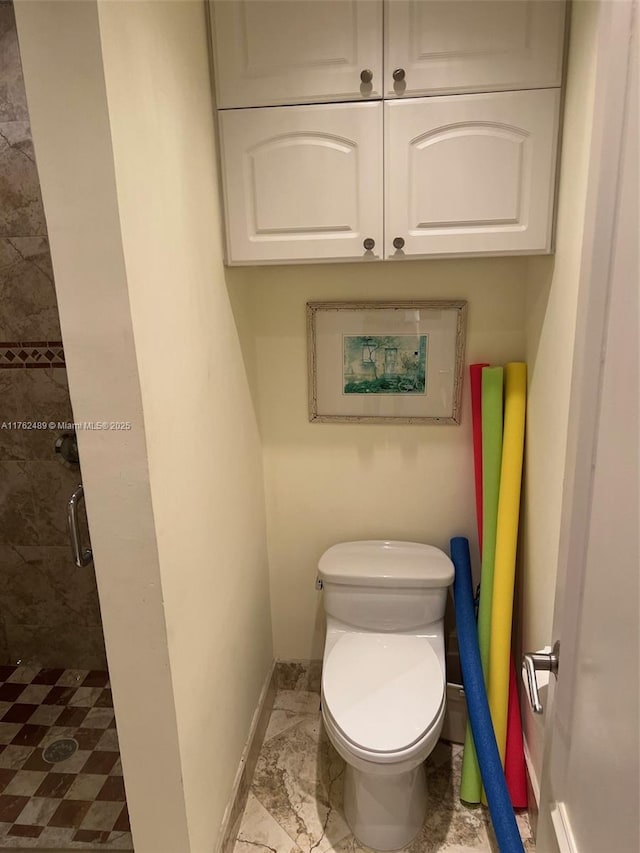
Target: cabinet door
[471,174]
[283,52]
[303,183]
[472,45]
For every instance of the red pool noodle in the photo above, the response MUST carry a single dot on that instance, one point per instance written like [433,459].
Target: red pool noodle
[475,372]
[514,766]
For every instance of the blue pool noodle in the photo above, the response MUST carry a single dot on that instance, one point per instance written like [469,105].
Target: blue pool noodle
[502,816]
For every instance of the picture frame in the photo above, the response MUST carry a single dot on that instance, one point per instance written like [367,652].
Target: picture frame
[386,362]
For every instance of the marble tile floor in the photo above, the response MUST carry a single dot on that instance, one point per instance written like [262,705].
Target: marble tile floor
[295,800]
[49,801]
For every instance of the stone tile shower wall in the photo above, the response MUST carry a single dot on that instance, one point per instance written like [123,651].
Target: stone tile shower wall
[49,612]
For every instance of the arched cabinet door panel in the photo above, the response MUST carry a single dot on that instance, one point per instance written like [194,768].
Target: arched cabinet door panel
[447,46]
[303,183]
[470,174]
[270,52]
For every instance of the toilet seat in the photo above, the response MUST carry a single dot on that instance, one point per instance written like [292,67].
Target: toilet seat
[383,693]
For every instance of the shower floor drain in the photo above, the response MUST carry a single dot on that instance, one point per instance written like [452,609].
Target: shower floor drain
[60,750]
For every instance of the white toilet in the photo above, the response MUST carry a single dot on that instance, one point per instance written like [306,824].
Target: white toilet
[383,679]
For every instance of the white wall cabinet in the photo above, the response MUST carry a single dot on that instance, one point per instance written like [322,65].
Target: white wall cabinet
[284,52]
[439,46]
[470,174]
[469,98]
[303,183]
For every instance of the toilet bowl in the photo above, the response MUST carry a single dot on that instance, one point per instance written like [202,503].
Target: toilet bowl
[383,679]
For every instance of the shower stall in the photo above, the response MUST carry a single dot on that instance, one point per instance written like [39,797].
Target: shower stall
[61,782]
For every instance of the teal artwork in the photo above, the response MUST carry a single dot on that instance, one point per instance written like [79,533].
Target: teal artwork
[384,364]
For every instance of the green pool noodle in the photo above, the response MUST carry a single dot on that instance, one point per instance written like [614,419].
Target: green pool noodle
[492,413]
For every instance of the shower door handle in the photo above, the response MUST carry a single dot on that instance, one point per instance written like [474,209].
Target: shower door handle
[81,556]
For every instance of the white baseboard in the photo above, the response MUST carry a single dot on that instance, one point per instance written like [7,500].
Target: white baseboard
[533,776]
[533,791]
[242,782]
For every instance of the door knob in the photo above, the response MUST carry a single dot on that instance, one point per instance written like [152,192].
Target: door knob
[369,243]
[398,75]
[398,243]
[366,75]
[544,662]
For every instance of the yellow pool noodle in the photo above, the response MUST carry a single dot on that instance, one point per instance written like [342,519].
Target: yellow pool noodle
[492,392]
[506,544]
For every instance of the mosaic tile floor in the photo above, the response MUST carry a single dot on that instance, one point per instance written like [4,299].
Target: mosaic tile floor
[77,803]
[295,801]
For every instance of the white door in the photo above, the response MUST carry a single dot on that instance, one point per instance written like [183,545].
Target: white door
[303,183]
[284,52]
[440,46]
[470,174]
[590,786]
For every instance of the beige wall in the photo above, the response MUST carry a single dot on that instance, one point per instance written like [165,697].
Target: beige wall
[331,482]
[551,302]
[125,142]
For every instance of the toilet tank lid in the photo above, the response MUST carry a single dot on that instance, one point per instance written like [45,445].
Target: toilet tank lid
[386,563]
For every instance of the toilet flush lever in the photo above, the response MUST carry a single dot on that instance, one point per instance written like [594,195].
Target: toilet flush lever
[535,661]
[318,583]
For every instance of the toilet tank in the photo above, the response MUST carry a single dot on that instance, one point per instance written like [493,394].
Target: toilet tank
[382,585]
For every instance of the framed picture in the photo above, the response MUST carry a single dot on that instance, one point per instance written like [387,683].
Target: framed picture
[386,362]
